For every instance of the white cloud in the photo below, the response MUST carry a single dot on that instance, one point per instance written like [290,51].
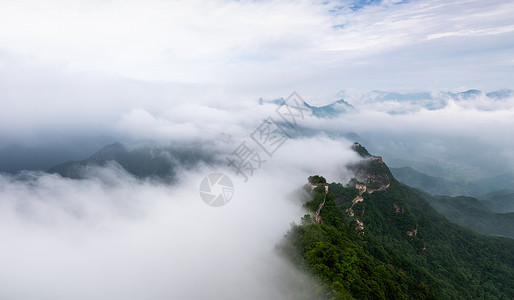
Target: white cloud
[111,236]
[477,32]
[267,45]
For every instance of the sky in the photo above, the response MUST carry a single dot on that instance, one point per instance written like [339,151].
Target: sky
[95,65]
[268,47]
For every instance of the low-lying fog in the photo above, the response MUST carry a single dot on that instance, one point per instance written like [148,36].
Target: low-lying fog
[111,236]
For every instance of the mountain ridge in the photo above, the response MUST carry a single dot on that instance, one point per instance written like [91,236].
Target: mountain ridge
[331,110]
[411,101]
[394,246]
[143,162]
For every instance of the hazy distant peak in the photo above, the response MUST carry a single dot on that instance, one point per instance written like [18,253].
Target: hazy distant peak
[472,93]
[279,101]
[327,111]
[378,95]
[342,101]
[116,146]
[110,152]
[465,95]
[501,94]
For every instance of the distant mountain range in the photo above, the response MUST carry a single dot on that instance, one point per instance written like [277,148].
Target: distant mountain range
[331,110]
[381,96]
[156,162]
[492,214]
[499,201]
[17,157]
[409,101]
[501,94]
[473,214]
[434,101]
[442,186]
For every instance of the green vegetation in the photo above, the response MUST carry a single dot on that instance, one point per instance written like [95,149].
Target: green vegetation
[317,179]
[473,214]
[429,184]
[496,193]
[492,216]
[145,162]
[501,201]
[406,250]
[361,150]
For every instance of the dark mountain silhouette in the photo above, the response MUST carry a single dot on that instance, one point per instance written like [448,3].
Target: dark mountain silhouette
[141,162]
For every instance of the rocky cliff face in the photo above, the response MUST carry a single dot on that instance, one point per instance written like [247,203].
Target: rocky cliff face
[371,175]
[371,172]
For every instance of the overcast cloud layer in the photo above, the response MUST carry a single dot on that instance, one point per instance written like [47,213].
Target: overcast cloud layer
[273,45]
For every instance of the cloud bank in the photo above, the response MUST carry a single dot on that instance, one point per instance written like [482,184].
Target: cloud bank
[111,236]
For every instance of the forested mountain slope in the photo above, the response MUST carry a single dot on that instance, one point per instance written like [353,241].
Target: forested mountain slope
[376,238]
